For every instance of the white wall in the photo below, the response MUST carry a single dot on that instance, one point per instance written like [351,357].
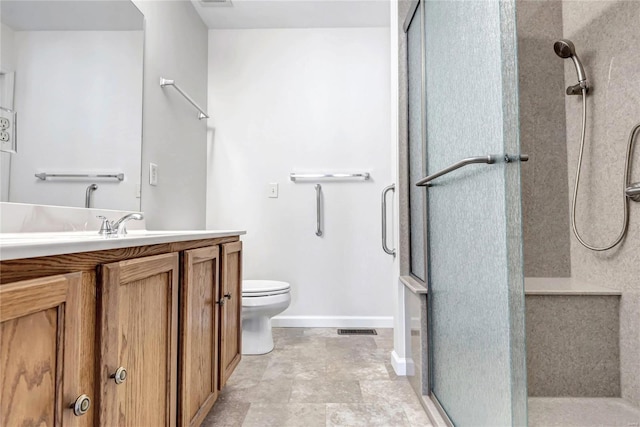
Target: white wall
[313,100]
[7,45]
[82,136]
[401,356]
[172,137]
[7,64]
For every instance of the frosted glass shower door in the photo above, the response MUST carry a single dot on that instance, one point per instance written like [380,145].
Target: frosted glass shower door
[476,292]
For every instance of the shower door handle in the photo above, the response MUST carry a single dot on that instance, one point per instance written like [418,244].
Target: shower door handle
[318,210]
[425,182]
[385,248]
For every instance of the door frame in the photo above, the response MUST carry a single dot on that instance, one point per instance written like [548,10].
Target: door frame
[434,410]
[510,135]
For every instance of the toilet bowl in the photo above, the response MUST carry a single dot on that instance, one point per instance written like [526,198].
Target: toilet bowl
[261,300]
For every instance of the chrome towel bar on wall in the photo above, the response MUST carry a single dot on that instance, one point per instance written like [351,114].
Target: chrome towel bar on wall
[314,178]
[44,175]
[317,176]
[168,82]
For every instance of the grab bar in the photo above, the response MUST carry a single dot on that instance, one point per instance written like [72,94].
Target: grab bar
[364,175]
[44,175]
[424,182]
[318,210]
[168,82]
[633,192]
[385,248]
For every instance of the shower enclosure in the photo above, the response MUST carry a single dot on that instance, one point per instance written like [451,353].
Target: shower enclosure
[485,90]
[466,73]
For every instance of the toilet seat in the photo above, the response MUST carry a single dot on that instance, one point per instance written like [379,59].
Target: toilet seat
[264,294]
[263,288]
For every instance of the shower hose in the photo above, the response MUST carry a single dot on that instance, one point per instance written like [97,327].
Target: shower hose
[627,176]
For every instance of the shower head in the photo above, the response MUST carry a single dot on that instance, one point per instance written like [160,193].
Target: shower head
[565,49]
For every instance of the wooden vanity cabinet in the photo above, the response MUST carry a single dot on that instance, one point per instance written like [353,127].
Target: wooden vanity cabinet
[138,341]
[39,348]
[231,315]
[200,334]
[211,329]
[69,322]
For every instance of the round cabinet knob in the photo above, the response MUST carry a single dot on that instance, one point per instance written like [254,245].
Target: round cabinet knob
[120,375]
[221,302]
[81,405]
[227,296]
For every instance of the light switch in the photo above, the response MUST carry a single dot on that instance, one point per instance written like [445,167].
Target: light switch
[273,190]
[153,174]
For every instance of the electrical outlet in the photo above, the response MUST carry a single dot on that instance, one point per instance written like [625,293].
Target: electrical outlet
[4,123]
[153,174]
[4,136]
[272,191]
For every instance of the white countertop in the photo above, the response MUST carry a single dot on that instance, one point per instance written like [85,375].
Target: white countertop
[31,245]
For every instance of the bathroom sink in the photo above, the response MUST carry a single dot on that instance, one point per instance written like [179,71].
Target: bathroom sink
[28,245]
[25,238]
[142,233]
[71,236]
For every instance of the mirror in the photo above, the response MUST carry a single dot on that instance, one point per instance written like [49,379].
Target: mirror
[71,103]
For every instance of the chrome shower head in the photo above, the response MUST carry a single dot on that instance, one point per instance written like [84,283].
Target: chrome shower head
[564,48]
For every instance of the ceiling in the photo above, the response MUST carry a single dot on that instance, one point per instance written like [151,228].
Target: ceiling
[54,15]
[294,13]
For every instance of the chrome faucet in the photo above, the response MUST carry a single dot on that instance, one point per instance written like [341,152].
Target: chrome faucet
[118,227]
[88,193]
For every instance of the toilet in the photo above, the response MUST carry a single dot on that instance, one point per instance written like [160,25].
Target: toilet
[261,300]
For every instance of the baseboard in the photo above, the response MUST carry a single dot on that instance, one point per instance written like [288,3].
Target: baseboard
[402,366]
[332,322]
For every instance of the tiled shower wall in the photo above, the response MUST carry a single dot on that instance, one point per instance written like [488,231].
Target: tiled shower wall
[545,212]
[607,38]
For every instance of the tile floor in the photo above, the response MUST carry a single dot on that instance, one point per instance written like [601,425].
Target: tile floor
[315,377]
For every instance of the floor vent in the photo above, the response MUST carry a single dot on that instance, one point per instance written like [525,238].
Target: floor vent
[357,332]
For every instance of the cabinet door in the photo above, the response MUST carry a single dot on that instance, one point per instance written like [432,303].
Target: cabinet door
[231,311]
[138,325]
[40,351]
[199,332]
